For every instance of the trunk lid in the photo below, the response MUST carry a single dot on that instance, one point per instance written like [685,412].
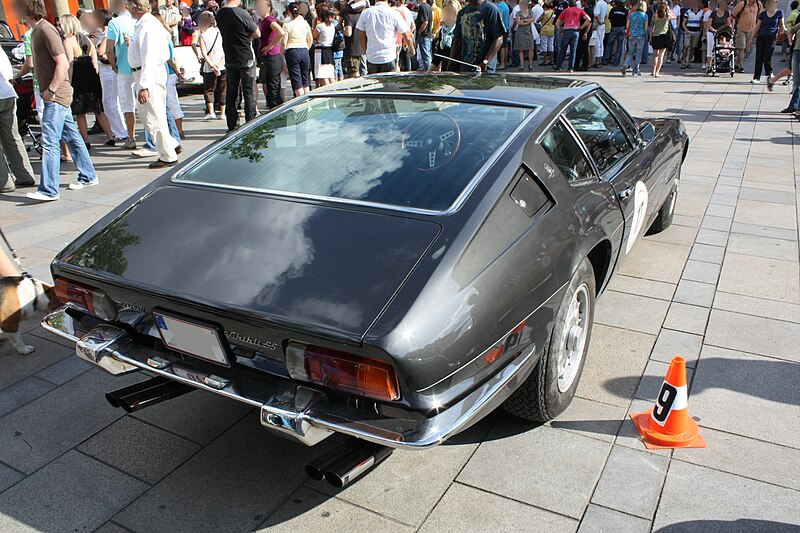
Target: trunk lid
[318,268]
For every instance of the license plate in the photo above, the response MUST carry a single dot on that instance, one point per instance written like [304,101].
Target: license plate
[191,338]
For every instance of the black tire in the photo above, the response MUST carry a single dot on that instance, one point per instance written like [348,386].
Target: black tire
[667,212]
[539,398]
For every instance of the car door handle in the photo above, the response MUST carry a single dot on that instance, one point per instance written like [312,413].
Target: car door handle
[624,194]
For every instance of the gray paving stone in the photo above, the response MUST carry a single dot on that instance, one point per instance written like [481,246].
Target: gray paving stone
[776,280]
[742,456]
[602,520]
[676,234]
[720,211]
[671,343]
[111,527]
[716,223]
[763,247]
[764,231]
[139,449]
[631,481]
[22,392]
[87,493]
[701,271]
[64,370]
[308,510]
[628,311]
[707,253]
[17,367]
[233,484]
[668,268]
[614,363]
[468,509]
[695,293]
[766,195]
[750,305]
[753,334]
[746,394]
[45,428]
[551,469]
[8,477]
[723,199]
[701,499]
[590,419]
[686,318]
[641,287]
[433,472]
[713,237]
[766,214]
[198,416]
[686,220]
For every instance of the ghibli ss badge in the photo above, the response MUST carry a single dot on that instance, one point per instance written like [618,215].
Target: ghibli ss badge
[249,339]
[550,170]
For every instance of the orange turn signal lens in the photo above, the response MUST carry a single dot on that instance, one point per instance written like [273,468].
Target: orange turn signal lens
[342,371]
[507,343]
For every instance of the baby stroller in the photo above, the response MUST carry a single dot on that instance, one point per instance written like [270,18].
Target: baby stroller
[724,58]
[27,119]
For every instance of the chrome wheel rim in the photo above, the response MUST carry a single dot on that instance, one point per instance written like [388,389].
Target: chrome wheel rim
[576,330]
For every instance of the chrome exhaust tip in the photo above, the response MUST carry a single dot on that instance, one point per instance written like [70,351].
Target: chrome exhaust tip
[356,463]
[316,469]
[146,393]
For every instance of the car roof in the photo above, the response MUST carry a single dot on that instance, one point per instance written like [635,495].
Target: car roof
[546,92]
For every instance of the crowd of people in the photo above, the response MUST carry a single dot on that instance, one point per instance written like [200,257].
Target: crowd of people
[120,67]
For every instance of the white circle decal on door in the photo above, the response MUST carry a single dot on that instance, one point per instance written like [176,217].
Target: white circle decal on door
[639,214]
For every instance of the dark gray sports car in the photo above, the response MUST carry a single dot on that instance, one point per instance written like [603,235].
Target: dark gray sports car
[391,258]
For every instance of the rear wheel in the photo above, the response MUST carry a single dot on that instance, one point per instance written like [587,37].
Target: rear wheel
[667,212]
[551,386]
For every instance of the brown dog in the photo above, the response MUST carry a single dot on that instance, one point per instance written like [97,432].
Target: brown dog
[20,298]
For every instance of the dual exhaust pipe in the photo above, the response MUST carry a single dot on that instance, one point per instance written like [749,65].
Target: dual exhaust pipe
[146,393]
[345,464]
[340,467]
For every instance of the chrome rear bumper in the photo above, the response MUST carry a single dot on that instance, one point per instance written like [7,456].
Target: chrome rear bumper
[298,411]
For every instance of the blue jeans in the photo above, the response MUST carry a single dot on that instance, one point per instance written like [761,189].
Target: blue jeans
[58,125]
[679,43]
[173,131]
[616,39]
[338,73]
[635,47]
[424,53]
[568,38]
[794,103]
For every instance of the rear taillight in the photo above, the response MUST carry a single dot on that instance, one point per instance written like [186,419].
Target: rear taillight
[93,301]
[342,371]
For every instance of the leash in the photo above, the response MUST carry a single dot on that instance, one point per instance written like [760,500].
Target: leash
[25,273]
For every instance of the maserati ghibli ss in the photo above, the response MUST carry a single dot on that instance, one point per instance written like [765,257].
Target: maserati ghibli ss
[391,258]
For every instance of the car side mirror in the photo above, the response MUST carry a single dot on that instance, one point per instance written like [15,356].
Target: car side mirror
[647,131]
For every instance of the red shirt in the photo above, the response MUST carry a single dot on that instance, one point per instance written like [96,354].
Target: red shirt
[572,17]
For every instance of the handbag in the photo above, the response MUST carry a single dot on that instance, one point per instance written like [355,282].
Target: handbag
[203,59]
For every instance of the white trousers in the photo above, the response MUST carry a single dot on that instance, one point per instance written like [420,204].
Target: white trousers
[173,103]
[601,34]
[108,80]
[153,115]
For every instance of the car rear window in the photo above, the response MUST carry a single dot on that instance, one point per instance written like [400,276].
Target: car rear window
[409,153]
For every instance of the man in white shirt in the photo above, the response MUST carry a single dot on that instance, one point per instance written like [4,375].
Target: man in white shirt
[600,15]
[12,148]
[172,15]
[379,26]
[148,53]
[536,12]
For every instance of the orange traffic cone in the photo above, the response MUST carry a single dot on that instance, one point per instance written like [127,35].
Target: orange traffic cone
[668,425]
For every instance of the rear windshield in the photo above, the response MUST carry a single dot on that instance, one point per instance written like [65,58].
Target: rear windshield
[420,154]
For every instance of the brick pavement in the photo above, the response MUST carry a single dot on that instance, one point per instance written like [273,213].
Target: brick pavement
[720,287]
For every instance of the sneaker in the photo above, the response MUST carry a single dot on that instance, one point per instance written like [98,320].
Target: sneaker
[637,73]
[78,185]
[129,145]
[144,152]
[624,70]
[210,116]
[41,197]
[755,80]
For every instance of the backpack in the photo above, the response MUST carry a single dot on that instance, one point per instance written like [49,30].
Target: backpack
[338,41]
